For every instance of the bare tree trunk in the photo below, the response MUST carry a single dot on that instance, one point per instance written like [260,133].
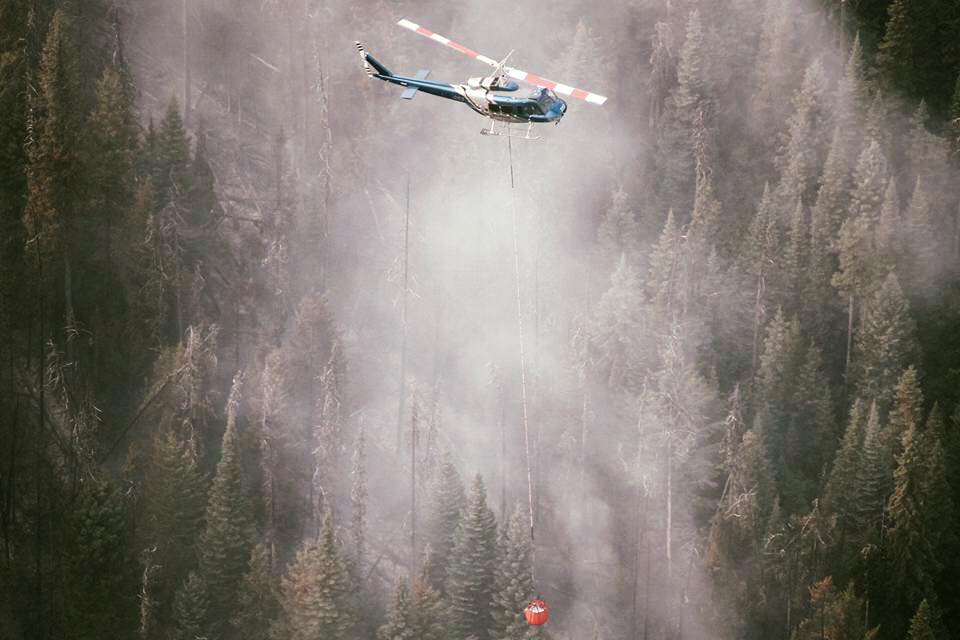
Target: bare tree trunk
[413,492]
[669,539]
[187,81]
[846,366]
[403,321]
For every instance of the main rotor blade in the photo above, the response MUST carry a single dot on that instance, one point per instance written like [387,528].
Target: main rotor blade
[406,24]
[516,74]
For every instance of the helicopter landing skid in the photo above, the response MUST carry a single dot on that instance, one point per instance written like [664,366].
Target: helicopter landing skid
[527,135]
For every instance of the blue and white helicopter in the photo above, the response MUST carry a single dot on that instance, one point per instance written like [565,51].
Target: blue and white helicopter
[541,106]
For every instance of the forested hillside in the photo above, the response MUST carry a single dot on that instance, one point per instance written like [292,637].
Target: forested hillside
[283,357]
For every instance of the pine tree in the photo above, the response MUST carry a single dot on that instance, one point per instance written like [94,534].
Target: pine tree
[444,511]
[315,592]
[874,479]
[662,279]
[202,198]
[414,616]
[928,154]
[777,75]
[889,231]
[921,244]
[834,615]
[225,544]
[923,625]
[614,328]
[175,497]
[470,580]
[802,152]
[513,585]
[172,179]
[953,127]
[850,102]
[919,533]
[358,500]
[885,344]
[795,258]
[619,233]
[190,610]
[870,180]
[257,606]
[906,413]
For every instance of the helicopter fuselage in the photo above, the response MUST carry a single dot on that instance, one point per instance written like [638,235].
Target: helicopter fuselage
[480,94]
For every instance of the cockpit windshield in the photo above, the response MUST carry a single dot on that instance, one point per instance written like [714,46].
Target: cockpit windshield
[545,97]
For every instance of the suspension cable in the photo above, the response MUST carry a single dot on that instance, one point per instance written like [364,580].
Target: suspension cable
[523,360]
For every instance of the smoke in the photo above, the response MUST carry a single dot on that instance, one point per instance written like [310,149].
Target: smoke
[462,309]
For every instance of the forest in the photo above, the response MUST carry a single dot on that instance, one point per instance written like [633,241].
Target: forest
[283,357]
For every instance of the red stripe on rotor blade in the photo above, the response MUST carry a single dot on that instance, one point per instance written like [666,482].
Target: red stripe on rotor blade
[579,93]
[463,49]
[541,82]
[424,32]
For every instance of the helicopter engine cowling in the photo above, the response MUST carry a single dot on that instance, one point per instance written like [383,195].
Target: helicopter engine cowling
[492,83]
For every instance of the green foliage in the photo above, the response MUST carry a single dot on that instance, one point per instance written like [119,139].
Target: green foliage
[316,591]
[445,509]
[414,616]
[190,610]
[885,344]
[470,577]
[513,585]
[834,615]
[257,606]
[919,533]
[225,543]
[923,626]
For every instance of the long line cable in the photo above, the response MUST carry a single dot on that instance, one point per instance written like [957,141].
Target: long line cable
[523,360]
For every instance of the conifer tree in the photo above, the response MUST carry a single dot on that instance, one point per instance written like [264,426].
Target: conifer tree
[172,177]
[850,102]
[928,154]
[919,533]
[444,511]
[414,616]
[358,500]
[923,624]
[513,585]
[777,75]
[662,279]
[833,615]
[921,244]
[953,126]
[470,578]
[619,233]
[613,331]
[840,495]
[803,151]
[906,413]
[874,479]
[889,230]
[315,592]
[225,544]
[870,181]
[257,606]
[885,344]
[202,198]
[190,610]
[175,497]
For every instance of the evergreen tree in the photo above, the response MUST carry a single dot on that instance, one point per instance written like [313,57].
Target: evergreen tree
[175,497]
[513,585]
[414,616]
[444,511]
[953,126]
[664,257]
[315,592]
[874,479]
[923,625]
[470,578]
[920,243]
[906,414]
[257,607]
[202,198]
[172,176]
[803,151]
[840,496]
[358,500]
[613,331]
[225,544]
[919,533]
[619,233]
[885,344]
[833,615]
[889,231]
[850,102]
[190,610]
[777,74]
[870,180]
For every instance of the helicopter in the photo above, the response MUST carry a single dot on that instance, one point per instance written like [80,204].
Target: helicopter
[542,105]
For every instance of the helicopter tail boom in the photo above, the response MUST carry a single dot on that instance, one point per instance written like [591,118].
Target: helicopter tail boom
[371,65]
